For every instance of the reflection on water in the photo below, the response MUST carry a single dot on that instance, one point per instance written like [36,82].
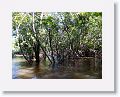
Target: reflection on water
[22,70]
[18,64]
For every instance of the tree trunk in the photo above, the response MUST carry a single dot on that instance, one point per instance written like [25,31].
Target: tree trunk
[45,54]
[37,51]
[52,55]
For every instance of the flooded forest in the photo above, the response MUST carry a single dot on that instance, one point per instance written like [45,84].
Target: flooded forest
[57,45]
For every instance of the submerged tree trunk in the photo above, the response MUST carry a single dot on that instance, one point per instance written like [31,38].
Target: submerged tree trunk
[37,51]
[37,44]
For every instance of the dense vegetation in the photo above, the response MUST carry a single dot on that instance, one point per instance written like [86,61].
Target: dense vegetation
[60,40]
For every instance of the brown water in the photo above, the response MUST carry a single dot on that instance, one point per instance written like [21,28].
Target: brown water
[22,70]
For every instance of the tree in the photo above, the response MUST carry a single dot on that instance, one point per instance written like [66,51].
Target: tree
[61,36]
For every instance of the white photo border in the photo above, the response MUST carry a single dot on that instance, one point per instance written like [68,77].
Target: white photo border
[104,84]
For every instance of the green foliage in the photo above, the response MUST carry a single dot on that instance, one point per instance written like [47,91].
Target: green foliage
[66,30]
